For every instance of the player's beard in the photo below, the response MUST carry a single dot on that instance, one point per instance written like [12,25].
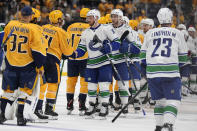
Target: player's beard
[115,23]
[91,23]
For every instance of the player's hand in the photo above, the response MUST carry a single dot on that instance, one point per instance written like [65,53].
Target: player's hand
[106,49]
[74,55]
[124,47]
[64,57]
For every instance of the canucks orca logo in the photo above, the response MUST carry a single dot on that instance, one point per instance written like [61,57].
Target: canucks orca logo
[94,46]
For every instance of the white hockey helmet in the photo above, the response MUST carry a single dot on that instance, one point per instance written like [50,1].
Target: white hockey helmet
[94,13]
[148,21]
[165,16]
[117,12]
[191,29]
[126,19]
[181,27]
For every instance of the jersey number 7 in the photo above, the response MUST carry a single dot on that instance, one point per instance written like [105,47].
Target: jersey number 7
[166,51]
[49,38]
[73,38]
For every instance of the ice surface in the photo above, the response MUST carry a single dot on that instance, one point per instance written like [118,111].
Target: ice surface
[186,121]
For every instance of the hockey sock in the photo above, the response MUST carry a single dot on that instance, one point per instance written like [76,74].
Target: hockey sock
[111,98]
[71,83]
[84,86]
[92,92]
[117,97]
[82,97]
[123,91]
[170,111]
[50,101]
[158,112]
[69,96]
[3,104]
[21,103]
[104,91]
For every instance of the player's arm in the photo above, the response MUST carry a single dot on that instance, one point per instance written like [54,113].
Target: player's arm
[113,37]
[1,35]
[37,48]
[182,50]
[143,50]
[6,33]
[133,44]
[81,49]
[65,43]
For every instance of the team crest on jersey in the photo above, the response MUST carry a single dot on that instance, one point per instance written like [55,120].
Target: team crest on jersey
[94,46]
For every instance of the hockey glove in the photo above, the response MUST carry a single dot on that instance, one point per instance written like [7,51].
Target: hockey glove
[64,57]
[74,55]
[133,49]
[124,47]
[106,49]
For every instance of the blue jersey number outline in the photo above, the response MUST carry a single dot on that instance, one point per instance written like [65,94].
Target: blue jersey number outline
[164,53]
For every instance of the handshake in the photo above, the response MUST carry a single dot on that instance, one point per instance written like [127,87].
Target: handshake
[124,47]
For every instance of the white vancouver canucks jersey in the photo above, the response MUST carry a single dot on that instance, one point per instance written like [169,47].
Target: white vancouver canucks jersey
[95,57]
[131,37]
[164,48]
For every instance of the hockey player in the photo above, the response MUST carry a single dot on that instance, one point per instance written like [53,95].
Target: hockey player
[38,110]
[181,27]
[147,24]
[125,20]
[76,67]
[185,70]
[24,59]
[58,44]
[163,51]
[192,45]
[95,41]
[127,46]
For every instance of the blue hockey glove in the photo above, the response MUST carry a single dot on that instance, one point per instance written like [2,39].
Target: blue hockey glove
[106,49]
[133,49]
[124,47]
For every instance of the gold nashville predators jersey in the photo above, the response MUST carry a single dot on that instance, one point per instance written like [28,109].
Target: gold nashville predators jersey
[75,31]
[24,39]
[45,41]
[58,41]
[141,38]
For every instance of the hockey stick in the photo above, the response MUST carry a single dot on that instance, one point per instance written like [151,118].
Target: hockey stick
[194,92]
[96,40]
[130,101]
[132,78]
[61,70]
[125,34]
[115,69]
[8,37]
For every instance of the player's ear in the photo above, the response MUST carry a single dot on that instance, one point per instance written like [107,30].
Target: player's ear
[60,21]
